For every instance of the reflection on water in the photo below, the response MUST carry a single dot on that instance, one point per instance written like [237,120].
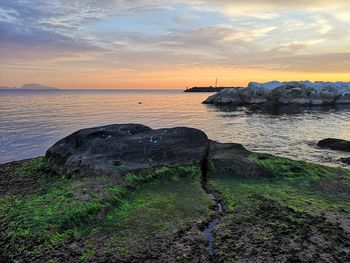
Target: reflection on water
[30,122]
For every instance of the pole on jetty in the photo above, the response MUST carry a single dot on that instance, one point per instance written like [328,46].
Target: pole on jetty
[216,83]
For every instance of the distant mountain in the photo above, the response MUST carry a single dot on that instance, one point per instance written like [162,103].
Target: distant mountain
[3,87]
[36,86]
[30,86]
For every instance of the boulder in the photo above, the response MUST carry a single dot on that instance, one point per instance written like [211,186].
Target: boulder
[227,96]
[284,99]
[245,95]
[231,98]
[120,148]
[233,159]
[327,97]
[295,92]
[315,99]
[256,99]
[343,99]
[345,160]
[335,144]
[210,100]
[300,101]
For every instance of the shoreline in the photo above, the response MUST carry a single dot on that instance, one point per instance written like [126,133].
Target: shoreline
[220,205]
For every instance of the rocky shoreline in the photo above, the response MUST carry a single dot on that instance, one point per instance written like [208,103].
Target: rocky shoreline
[300,93]
[128,193]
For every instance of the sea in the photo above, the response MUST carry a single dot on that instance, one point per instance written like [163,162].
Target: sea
[31,121]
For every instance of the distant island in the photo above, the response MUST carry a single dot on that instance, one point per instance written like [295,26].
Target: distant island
[208,89]
[32,86]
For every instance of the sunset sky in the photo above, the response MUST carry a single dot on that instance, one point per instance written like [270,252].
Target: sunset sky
[172,44]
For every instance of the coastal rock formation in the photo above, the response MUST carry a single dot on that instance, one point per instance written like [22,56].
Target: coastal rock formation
[335,144]
[345,160]
[170,195]
[117,149]
[303,93]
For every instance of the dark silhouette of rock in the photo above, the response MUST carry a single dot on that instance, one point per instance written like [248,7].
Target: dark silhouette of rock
[117,149]
[335,144]
[345,160]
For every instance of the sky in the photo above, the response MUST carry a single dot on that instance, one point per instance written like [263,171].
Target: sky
[153,44]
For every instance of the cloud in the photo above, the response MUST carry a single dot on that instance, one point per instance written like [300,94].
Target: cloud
[321,63]
[129,35]
[181,19]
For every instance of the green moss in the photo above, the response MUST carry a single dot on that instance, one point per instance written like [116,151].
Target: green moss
[300,197]
[273,229]
[155,209]
[211,166]
[30,168]
[118,164]
[286,168]
[88,254]
[165,199]
[52,215]
[162,172]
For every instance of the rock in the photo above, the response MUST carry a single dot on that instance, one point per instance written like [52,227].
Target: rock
[284,99]
[234,98]
[327,97]
[211,99]
[233,159]
[76,249]
[295,92]
[335,144]
[304,93]
[120,148]
[315,99]
[345,160]
[227,96]
[114,150]
[256,99]
[343,99]
[245,95]
[300,101]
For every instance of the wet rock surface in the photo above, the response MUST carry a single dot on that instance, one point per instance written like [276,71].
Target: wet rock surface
[14,181]
[345,160]
[335,144]
[233,159]
[272,232]
[117,149]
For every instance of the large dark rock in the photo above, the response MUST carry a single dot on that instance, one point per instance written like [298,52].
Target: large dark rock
[233,159]
[117,149]
[345,160]
[335,144]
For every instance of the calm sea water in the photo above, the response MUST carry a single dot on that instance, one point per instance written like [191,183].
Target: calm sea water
[30,122]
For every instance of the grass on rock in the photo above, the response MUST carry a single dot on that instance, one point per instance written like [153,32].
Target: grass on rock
[283,218]
[164,201]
